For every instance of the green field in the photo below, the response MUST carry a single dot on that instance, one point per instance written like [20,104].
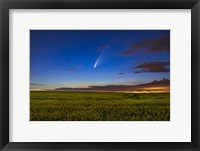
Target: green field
[99,106]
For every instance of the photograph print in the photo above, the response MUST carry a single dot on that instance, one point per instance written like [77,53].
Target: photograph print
[99,75]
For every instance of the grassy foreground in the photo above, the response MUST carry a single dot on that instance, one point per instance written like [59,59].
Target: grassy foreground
[99,106]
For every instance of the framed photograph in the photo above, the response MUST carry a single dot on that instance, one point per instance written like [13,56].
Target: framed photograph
[99,75]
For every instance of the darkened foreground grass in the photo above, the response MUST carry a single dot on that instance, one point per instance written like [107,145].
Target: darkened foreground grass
[99,106]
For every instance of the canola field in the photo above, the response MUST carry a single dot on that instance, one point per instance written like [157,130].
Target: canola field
[99,106]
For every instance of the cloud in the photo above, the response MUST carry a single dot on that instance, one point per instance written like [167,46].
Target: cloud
[72,69]
[121,73]
[154,86]
[35,84]
[148,46]
[152,67]
[120,77]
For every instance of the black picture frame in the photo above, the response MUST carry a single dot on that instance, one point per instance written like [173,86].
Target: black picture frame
[5,5]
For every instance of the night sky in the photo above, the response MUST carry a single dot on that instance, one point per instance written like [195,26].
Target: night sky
[78,59]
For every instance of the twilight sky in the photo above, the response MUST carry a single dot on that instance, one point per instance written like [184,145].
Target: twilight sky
[82,59]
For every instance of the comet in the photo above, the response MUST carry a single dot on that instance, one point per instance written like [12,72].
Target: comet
[99,58]
[97,61]
[95,64]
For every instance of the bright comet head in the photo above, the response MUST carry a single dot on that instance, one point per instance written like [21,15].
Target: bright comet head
[98,60]
[95,65]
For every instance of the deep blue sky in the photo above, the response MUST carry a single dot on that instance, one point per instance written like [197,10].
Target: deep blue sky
[66,58]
